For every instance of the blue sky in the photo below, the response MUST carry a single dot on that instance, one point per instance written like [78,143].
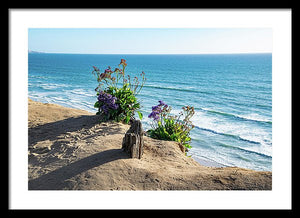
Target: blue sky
[150,40]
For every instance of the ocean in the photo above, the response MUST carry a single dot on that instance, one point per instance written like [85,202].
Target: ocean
[231,94]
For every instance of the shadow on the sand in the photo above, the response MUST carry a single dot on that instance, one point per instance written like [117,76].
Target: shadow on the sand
[56,180]
[50,131]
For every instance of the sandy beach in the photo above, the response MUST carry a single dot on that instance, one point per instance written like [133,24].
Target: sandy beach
[69,149]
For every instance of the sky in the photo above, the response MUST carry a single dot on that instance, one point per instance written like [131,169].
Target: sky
[150,40]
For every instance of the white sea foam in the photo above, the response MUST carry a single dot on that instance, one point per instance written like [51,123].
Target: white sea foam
[88,93]
[52,86]
[262,138]
[255,117]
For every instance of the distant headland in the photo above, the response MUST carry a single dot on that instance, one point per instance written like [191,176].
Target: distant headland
[37,52]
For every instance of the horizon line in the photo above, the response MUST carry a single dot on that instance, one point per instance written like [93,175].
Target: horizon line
[233,53]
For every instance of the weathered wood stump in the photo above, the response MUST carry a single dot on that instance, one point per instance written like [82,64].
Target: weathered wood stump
[133,141]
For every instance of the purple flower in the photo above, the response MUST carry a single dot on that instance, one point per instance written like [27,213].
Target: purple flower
[157,110]
[107,102]
[161,103]
[154,115]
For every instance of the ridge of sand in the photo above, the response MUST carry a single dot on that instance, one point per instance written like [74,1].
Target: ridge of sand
[70,149]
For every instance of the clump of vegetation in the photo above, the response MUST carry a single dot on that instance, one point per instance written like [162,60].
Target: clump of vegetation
[172,128]
[117,93]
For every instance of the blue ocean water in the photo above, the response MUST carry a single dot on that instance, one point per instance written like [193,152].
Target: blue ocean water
[231,94]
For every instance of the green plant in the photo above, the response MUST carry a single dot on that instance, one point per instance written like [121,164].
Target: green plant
[172,128]
[117,95]
[127,102]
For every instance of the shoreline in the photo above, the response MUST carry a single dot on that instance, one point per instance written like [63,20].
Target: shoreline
[68,149]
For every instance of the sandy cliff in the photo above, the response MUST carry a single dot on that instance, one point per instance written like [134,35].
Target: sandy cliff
[69,149]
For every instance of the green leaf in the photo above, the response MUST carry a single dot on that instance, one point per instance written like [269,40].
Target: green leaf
[96,105]
[140,115]
[188,146]
[127,119]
